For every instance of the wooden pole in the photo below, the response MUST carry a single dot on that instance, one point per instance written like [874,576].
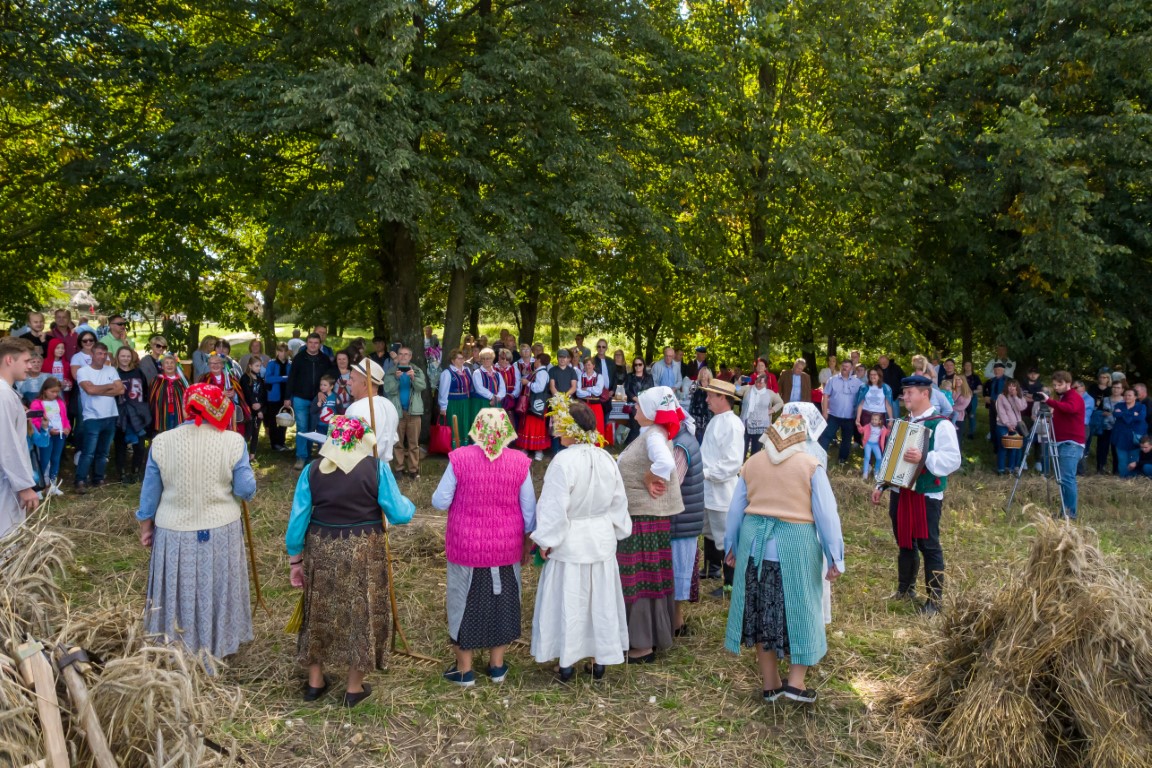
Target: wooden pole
[252,557]
[82,704]
[37,674]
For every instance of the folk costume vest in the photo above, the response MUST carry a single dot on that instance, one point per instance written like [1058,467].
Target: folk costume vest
[485,525]
[690,523]
[196,465]
[911,508]
[491,383]
[634,465]
[345,504]
[461,388]
[782,491]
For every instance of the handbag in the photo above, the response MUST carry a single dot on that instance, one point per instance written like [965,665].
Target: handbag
[538,404]
[522,402]
[439,438]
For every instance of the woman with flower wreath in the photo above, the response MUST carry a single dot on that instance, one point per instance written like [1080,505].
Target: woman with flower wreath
[491,504]
[337,552]
[581,515]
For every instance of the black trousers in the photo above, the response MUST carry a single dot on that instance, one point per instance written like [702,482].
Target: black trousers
[908,562]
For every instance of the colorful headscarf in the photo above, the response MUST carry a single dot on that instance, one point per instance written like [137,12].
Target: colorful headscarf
[560,409]
[207,402]
[785,437]
[661,406]
[350,441]
[492,431]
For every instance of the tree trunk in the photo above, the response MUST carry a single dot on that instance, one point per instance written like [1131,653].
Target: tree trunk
[761,336]
[808,347]
[831,344]
[400,273]
[268,314]
[458,285]
[529,307]
[380,325]
[474,316]
[966,342]
[650,341]
[193,336]
[555,324]
[637,343]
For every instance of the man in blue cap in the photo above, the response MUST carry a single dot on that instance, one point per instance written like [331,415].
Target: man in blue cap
[916,513]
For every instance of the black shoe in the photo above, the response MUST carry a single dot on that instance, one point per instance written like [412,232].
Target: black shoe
[81,487]
[902,594]
[682,631]
[312,694]
[352,699]
[97,483]
[596,670]
[928,609]
[565,674]
[713,572]
[646,659]
[807,696]
[771,695]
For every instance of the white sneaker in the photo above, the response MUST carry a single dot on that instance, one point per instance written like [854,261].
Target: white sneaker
[539,456]
[76,458]
[1039,467]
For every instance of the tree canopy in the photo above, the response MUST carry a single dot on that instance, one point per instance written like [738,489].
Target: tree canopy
[765,176]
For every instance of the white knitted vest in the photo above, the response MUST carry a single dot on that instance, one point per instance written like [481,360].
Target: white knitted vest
[196,467]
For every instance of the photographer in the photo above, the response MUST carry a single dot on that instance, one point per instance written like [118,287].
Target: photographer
[1068,425]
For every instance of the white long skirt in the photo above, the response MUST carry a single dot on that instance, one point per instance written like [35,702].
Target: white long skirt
[580,614]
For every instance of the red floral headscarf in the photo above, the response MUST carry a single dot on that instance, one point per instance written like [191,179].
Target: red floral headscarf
[206,402]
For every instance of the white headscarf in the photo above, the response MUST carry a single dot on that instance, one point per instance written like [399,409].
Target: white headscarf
[661,406]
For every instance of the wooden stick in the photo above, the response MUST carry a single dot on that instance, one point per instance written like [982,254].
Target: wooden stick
[82,704]
[252,557]
[37,674]
[455,432]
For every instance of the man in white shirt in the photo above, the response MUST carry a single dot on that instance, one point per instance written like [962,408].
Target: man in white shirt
[722,453]
[100,385]
[374,410]
[915,513]
[295,343]
[17,483]
[1001,357]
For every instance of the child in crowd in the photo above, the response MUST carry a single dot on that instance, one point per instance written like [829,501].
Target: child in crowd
[949,394]
[29,389]
[57,367]
[256,395]
[1142,467]
[875,436]
[325,406]
[55,422]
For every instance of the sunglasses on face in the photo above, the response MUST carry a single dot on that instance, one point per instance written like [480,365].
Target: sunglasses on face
[160,346]
[601,346]
[88,341]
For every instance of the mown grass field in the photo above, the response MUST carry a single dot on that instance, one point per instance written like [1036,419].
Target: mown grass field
[698,706]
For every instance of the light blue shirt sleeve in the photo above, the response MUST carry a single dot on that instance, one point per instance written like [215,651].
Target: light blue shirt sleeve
[300,516]
[150,491]
[243,478]
[528,504]
[827,519]
[398,509]
[446,490]
[735,516]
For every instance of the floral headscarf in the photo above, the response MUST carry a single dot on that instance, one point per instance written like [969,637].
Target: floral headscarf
[207,402]
[660,405]
[492,431]
[560,409]
[350,441]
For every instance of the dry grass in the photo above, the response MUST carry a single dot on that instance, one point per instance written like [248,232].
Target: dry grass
[700,706]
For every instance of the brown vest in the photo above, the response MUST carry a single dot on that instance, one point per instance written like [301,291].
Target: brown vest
[782,491]
[634,465]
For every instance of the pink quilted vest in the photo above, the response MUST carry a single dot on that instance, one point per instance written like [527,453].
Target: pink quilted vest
[485,526]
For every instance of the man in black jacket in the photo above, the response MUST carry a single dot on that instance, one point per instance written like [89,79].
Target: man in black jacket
[893,376]
[308,367]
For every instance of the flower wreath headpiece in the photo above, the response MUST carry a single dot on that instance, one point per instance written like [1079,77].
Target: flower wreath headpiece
[560,409]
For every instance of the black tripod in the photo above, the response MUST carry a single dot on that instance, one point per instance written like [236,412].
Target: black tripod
[1043,431]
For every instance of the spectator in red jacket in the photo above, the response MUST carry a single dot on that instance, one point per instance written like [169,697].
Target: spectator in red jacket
[1068,424]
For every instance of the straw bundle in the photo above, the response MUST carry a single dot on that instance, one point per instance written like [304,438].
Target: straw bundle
[154,704]
[1054,669]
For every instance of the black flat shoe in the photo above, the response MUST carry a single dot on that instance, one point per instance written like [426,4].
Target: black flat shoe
[682,631]
[352,699]
[565,674]
[312,694]
[646,659]
[596,670]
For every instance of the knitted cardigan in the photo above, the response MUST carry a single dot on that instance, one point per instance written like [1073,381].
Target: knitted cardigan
[485,525]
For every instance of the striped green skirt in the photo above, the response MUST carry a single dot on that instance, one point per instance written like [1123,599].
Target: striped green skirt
[801,562]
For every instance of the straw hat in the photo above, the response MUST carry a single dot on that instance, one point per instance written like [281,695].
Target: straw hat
[721,387]
[371,370]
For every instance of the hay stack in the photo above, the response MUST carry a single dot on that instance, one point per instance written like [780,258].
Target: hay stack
[1054,669]
[155,705]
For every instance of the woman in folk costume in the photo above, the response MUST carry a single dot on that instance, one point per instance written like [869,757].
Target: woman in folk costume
[782,523]
[653,492]
[166,395]
[589,386]
[190,517]
[220,375]
[487,491]
[581,515]
[487,384]
[454,396]
[511,375]
[337,552]
[534,428]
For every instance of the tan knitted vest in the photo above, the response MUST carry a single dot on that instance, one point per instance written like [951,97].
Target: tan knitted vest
[783,490]
[634,465]
[196,467]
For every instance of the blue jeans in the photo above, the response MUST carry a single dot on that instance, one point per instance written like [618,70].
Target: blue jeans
[1125,455]
[303,411]
[1146,470]
[970,418]
[872,450]
[752,442]
[50,458]
[847,428]
[1003,455]
[98,434]
[1070,455]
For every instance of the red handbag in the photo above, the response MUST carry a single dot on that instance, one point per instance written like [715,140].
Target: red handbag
[439,438]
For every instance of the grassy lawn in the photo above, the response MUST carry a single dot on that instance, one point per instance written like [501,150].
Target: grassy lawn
[698,706]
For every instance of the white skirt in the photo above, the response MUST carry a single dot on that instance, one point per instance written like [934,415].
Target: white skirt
[580,614]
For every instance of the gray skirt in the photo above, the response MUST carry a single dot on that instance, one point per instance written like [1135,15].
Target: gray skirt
[198,590]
